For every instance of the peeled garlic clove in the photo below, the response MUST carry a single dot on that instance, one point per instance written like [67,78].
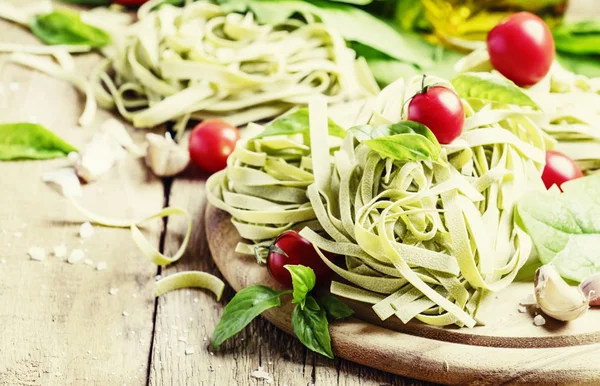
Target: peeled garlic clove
[591,289]
[556,298]
[164,156]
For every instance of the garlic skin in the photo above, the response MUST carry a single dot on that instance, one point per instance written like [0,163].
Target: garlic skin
[164,157]
[591,288]
[556,298]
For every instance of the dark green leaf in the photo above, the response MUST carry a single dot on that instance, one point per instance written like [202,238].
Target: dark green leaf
[242,309]
[297,123]
[578,38]
[66,27]
[355,2]
[303,281]
[311,327]
[410,15]
[491,88]
[94,3]
[334,307]
[588,65]
[402,141]
[30,141]
[564,227]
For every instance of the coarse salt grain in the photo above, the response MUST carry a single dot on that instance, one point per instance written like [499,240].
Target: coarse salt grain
[528,300]
[158,277]
[2,261]
[260,374]
[189,350]
[101,266]
[539,320]
[113,291]
[60,250]
[37,253]
[75,256]
[86,230]
[88,262]
[125,313]
[522,309]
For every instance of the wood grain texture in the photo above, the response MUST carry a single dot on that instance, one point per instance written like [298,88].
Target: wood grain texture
[419,356]
[193,314]
[58,323]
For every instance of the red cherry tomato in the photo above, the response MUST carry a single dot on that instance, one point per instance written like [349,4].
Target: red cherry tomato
[521,48]
[211,142]
[559,169]
[441,110]
[133,3]
[298,251]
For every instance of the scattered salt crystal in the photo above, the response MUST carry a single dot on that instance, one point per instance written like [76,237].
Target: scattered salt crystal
[189,350]
[134,296]
[528,300]
[539,320]
[270,363]
[522,309]
[18,234]
[76,256]
[125,313]
[260,374]
[211,353]
[113,291]
[205,339]
[101,266]
[158,277]
[14,86]
[89,351]
[37,253]
[86,230]
[60,250]
[196,300]
[88,262]
[2,261]
[66,179]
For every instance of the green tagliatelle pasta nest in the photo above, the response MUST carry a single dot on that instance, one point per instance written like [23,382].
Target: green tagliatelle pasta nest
[421,239]
[198,61]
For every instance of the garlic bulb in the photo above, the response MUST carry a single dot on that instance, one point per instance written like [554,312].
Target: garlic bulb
[164,156]
[591,289]
[556,298]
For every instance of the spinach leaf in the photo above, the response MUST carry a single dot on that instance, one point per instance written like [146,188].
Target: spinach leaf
[297,123]
[491,88]
[66,27]
[578,38]
[242,309]
[20,141]
[565,228]
[344,18]
[312,328]
[303,281]
[334,307]
[402,141]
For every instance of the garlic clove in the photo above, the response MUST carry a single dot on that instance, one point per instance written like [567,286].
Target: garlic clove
[164,156]
[591,289]
[99,156]
[557,298]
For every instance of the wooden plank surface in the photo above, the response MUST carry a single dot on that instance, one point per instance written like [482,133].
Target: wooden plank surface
[58,323]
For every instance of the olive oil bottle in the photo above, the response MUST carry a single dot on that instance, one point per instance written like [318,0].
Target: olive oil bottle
[473,19]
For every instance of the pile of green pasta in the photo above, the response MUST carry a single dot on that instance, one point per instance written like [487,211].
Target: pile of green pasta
[421,239]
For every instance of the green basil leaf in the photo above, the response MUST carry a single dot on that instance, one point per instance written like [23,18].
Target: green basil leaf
[491,88]
[312,328]
[334,307]
[303,281]
[588,65]
[578,38]
[297,123]
[343,18]
[66,27]
[402,141]
[355,2]
[565,228]
[242,309]
[20,141]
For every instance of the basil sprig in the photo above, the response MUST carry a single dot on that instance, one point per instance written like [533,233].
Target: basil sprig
[29,141]
[297,123]
[309,318]
[66,27]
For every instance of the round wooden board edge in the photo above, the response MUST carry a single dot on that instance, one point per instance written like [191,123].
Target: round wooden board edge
[409,355]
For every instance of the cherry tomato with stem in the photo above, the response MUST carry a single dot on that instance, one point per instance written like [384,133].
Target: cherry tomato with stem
[291,248]
[521,48]
[211,142]
[559,169]
[440,109]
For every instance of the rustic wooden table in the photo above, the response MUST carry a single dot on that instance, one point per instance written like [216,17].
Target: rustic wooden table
[60,326]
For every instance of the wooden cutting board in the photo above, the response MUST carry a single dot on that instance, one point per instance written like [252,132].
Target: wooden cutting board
[509,350]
